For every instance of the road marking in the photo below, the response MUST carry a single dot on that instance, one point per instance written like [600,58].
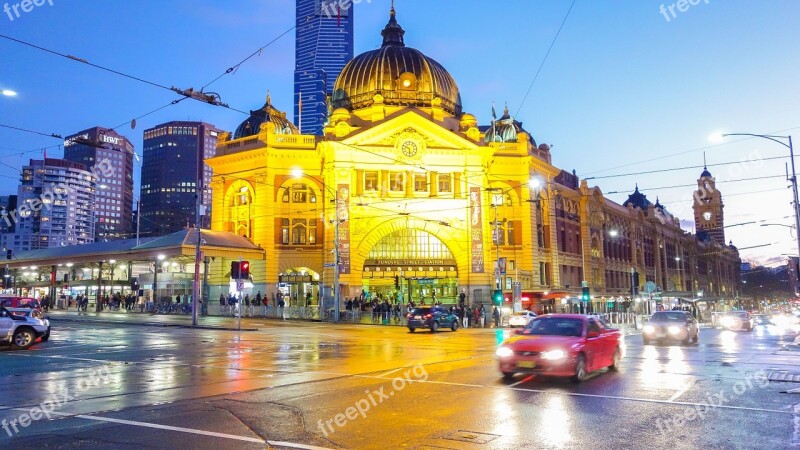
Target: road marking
[201,432]
[610,397]
[524,380]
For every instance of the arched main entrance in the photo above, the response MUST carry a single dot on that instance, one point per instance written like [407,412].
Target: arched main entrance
[411,264]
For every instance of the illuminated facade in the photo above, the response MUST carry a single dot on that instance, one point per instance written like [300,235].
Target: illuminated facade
[427,201]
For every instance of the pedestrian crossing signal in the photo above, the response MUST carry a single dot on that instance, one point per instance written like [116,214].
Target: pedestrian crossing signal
[585,294]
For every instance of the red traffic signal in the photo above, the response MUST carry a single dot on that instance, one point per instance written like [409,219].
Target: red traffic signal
[244,270]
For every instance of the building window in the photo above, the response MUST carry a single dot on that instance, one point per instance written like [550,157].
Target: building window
[285,231]
[371,181]
[397,181]
[299,193]
[420,182]
[445,184]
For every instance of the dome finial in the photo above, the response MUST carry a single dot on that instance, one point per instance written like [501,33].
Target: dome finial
[393,32]
[269,98]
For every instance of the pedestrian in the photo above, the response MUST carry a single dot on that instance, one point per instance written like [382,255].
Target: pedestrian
[462,297]
[482,313]
[476,316]
[247,305]
[463,313]
[281,304]
[496,315]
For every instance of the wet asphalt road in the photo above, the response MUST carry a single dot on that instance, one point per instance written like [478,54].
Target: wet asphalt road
[313,385]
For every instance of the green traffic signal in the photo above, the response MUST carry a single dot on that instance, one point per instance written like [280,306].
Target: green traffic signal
[497,297]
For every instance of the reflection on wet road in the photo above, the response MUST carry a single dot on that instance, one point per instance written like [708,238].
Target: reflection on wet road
[197,388]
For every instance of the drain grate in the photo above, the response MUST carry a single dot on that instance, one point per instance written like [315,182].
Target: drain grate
[474,437]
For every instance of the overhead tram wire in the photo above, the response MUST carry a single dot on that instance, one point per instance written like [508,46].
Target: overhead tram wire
[648,172]
[544,60]
[684,152]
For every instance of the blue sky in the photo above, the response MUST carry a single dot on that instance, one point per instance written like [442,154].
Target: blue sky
[623,90]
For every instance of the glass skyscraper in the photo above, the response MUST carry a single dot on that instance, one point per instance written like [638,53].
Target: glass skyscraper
[170,172]
[323,45]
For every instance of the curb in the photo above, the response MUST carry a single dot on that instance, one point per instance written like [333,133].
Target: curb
[147,324]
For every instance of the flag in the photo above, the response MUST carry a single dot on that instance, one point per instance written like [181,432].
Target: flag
[494,121]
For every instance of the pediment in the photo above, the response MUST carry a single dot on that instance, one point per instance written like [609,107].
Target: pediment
[410,125]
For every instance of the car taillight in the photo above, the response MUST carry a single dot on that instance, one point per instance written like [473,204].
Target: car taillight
[409,315]
[428,316]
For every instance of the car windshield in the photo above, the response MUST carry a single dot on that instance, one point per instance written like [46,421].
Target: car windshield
[555,326]
[521,313]
[737,313]
[668,316]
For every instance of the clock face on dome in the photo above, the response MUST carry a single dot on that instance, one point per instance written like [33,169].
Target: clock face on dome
[409,148]
[707,215]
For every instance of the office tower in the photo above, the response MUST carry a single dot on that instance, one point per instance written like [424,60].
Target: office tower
[323,45]
[103,147]
[170,170]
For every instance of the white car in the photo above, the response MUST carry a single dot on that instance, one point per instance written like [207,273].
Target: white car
[521,318]
[19,329]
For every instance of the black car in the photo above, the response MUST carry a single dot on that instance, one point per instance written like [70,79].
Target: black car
[671,326]
[433,317]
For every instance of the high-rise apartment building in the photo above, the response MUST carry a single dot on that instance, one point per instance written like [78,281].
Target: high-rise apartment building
[323,45]
[170,173]
[54,207]
[114,200]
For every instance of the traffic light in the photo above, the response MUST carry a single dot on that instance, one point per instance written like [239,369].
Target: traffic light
[244,268]
[497,297]
[397,282]
[235,270]
[585,294]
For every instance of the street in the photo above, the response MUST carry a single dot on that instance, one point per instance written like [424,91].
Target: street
[310,385]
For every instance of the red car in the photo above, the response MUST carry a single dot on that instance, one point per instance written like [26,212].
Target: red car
[563,345]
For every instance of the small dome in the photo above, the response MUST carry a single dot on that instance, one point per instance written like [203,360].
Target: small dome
[468,120]
[637,200]
[705,173]
[267,114]
[401,75]
[505,129]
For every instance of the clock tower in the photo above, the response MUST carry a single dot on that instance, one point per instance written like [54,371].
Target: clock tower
[708,217]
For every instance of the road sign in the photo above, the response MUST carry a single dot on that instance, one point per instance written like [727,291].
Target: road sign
[239,285]
[329,265]
[649,287]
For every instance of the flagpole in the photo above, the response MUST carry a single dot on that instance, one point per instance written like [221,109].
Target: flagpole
[494,122]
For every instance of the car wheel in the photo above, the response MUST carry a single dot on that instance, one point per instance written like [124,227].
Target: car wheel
[434,327]
[580,369]
[508,376]
[686,341]
[412,329]
[616,362]
[696,338]
[23,338]
[46,335]
[454,326]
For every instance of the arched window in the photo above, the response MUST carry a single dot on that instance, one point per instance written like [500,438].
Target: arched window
[298,223]
[239,215]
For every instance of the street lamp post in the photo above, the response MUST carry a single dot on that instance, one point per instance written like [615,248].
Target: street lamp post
[793,178]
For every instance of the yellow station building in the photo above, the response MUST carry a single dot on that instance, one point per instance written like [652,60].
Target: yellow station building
[423,202]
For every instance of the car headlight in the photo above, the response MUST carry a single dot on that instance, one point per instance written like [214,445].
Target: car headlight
[674,329]
[554,354]
[727,321]
[504,352]
[649,329]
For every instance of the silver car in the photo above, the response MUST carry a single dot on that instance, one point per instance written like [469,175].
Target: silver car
[19,329]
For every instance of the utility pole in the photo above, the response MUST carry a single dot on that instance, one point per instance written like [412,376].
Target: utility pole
[197,253]
[336,258]
[138,218]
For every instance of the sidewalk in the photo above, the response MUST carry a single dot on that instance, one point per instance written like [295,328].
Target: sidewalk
[151,320]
